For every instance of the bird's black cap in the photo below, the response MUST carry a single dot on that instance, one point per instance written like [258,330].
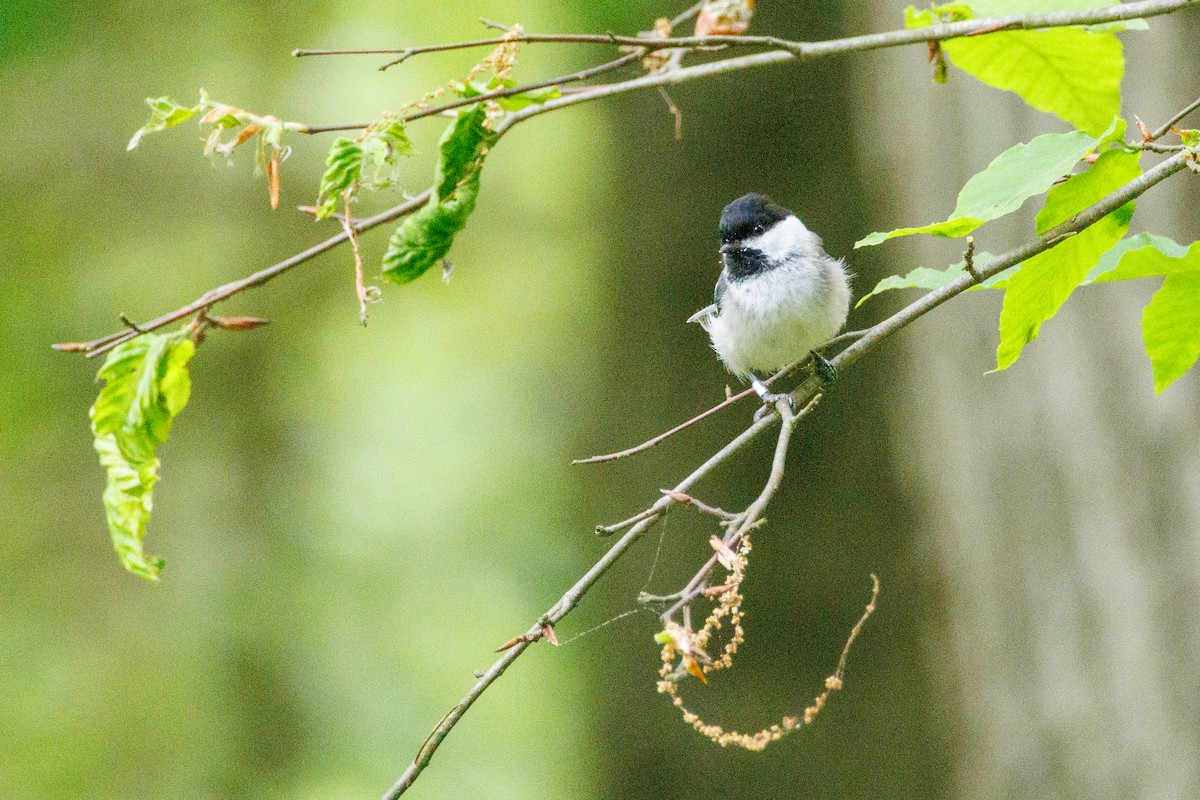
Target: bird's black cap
[743,218]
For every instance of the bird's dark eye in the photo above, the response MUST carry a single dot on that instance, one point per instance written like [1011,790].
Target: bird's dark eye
[759,230]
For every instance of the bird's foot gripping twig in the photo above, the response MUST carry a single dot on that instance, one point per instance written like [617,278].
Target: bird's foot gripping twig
[770,398]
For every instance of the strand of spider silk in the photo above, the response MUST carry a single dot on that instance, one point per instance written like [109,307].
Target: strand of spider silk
[653,565]
[595,628]
[662,537]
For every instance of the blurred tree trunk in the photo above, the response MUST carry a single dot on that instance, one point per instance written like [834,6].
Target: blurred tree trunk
[1061,499]
[838,515]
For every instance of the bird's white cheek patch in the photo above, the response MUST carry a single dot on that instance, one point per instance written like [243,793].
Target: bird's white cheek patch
[780,241]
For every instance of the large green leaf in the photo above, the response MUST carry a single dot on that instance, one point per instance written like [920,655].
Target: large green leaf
[1171,324]
[919,278]
[1004,8]
[146,384]
[1074,73]
[929,278]
[1145,255]
[1171,321]
[1070,72]
[1038,289]
[1014,176]
[425,237]
[514,102]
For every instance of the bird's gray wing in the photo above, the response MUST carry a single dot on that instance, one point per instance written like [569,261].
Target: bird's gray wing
[719,290]
[704,315]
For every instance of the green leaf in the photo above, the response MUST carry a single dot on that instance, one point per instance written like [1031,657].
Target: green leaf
[1171,324]
[127,506]
[947,12]
[1038,289]
[929,278]
[164,113]
[533,97]
[146,384]
[1139,266]
[1072,72]
[1069,72]
[1171,321]
[343,166]
[924,278]
[1004,8]
[1118,25]
[919,278]
[1005,184]
[513,102]
[1190,137]
[425,237]
[371,161]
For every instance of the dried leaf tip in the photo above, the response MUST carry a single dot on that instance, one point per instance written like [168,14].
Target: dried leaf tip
[724,18]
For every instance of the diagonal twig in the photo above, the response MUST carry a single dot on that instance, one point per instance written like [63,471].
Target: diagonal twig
[106,343]
[1166,126]
[726,403]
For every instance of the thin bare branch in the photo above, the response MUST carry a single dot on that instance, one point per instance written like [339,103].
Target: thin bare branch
[608,530]
[696,503]
[848,336]
[106,343]
[646,445]
[1166,126]
[805,50]
[646,40]
[572,77]
[563,607]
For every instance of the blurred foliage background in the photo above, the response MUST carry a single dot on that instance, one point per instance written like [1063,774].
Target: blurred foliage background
[354,518]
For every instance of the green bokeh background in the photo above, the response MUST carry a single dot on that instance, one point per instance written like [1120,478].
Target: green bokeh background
[353,519]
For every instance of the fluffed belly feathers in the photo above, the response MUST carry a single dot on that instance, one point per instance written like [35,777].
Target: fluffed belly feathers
[775,318]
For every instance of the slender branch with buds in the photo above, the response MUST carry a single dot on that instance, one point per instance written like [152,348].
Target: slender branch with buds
[788,51]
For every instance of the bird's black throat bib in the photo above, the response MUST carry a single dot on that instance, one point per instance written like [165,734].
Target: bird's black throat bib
[744,263]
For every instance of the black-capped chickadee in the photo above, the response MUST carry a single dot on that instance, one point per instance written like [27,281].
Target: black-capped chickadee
[779,296]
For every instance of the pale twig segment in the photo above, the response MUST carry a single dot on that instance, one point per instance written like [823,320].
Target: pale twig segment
[646,445]
[360,289]
[848,336]
[106,343]
[1165,128]
[803,50]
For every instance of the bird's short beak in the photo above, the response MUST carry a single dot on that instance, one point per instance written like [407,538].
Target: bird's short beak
[728,248]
